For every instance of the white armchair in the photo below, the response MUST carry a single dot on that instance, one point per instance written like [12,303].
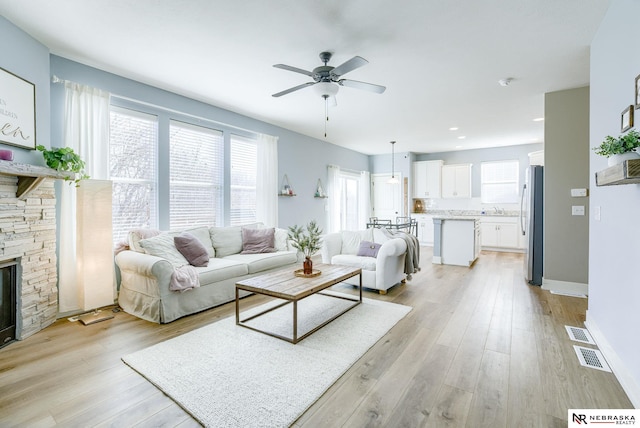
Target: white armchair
[379,273]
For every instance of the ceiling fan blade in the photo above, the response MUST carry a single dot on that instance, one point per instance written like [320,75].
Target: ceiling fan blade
[352,64]
[362,85]
[294,69]
[295,88]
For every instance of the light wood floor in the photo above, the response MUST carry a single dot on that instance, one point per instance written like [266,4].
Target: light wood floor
[480,349]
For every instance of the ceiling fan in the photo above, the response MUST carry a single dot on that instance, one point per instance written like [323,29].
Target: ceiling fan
[328,79]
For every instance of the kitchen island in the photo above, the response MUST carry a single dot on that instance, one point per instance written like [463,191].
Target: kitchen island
[456,240]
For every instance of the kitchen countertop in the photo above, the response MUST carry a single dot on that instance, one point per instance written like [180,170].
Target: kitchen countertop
[470,213]
[457,217]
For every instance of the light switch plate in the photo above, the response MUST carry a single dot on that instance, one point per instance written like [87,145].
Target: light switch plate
[577,210]
[578,193]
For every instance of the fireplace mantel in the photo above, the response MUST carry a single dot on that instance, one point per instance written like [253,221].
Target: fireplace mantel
[30,176]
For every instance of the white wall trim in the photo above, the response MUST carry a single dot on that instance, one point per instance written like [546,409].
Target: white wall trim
[565,287]
[623,375]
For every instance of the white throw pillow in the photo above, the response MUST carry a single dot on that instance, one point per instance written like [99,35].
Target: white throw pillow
[350,242]
[202,233]
[163,246]
[226,240]
[281,238]
[380,236]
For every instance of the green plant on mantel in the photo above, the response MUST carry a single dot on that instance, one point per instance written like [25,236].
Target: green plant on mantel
[309,243]
[64,159]
[617,146]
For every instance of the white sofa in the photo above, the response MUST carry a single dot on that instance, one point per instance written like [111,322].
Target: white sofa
[379,273]
[145,278]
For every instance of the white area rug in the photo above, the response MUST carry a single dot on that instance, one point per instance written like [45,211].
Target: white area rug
[229,376]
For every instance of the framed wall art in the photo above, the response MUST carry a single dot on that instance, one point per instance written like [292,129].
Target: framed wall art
[637,102]
[627,119]
[17,111]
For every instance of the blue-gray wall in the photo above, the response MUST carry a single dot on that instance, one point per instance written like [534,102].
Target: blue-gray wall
[613,315]
[477,156]
[25,57]
[302,158]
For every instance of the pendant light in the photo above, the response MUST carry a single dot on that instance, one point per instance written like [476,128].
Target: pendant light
[393,179]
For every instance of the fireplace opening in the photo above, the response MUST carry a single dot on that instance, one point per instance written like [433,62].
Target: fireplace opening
[8,301]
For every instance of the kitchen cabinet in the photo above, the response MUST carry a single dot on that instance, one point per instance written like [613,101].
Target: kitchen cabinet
[427,179]
[425,228]
[501,233]
[456,181]
[457,240]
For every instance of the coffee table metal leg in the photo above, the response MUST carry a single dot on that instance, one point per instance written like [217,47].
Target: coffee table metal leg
[360,287]
[237,308]
[295,321]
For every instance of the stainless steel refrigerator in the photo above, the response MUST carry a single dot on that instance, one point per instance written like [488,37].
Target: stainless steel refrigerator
[531,213]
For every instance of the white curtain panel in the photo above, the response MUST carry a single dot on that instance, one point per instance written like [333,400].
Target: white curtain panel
[267,177]
[364,199]
[334,195]
[86,131]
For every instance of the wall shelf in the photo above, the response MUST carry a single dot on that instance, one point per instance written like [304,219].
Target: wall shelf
[31,176]
[320,193]
[286,189]
[627,172]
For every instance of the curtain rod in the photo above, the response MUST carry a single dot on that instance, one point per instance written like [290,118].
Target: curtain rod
[355,171]
[56,79]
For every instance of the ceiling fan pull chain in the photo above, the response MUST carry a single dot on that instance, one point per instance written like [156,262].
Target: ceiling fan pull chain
[326,113]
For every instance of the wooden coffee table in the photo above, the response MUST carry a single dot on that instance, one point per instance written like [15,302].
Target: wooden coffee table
[285,285]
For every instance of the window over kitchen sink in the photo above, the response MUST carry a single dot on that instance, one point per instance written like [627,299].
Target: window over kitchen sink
[499,182]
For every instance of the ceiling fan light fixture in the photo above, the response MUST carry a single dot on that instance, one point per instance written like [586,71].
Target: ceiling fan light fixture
[326,88]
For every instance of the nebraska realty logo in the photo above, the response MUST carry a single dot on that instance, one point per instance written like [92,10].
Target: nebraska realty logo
[582,417]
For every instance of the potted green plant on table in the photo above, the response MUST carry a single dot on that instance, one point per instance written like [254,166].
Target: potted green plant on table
[64,159]
[307,243]
[617,150]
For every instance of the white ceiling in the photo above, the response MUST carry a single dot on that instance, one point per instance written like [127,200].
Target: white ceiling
[440,60]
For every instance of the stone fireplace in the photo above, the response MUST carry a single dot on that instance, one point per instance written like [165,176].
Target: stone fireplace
[28,236]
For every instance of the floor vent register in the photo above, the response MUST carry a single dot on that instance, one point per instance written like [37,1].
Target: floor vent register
[579,334]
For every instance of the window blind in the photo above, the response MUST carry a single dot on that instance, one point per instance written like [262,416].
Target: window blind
[196,175]
[499,181]
[133,148]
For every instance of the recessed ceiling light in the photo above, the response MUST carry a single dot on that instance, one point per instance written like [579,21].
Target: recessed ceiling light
[505,82]
[453,128]
[458,147]
[538,119]
[462,137]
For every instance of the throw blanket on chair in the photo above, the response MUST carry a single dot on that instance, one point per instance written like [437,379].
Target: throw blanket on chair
[412,260]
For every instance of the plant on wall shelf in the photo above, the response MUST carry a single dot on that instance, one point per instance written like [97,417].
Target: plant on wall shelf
[64,159]
[617,146]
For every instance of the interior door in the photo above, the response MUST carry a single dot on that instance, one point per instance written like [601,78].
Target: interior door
[387,198]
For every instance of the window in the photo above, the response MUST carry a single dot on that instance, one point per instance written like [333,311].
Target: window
[244,155]
[196,176]
[499,182]
[133,147]
[349,188]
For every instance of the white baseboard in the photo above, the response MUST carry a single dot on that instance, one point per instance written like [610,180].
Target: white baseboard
[628,383]
[565,287]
